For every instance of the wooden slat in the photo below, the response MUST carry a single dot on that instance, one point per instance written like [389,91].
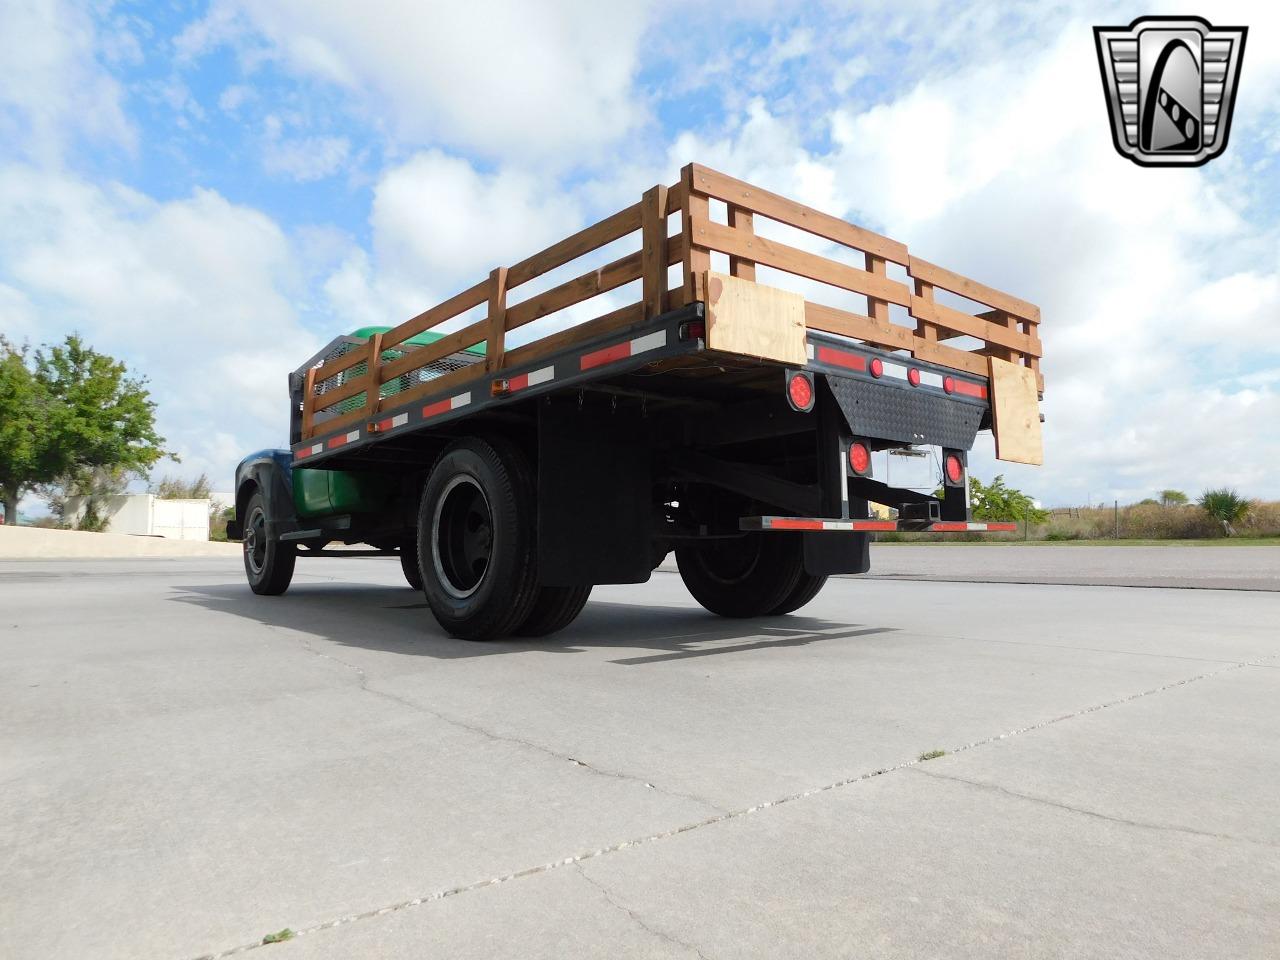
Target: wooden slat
[335,423]
[939,277]
[335,366]
[458,303]
[950,357]
[344,391]
[374,374]
[776,207]
[971,326]
[675,197]
[468,336]
[653,258]
[924,330]
[308,402]
[792,260]
[608,277]
[820,317]
[694,207]
[496,339]
[616,320]
[583,242]
[740,218]
[449,381]
[876,308]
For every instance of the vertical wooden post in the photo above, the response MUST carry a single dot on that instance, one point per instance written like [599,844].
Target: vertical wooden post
[308,403]
[877,310]
[740,218]
[925,330]
[697,260]
[653,257]
[495,345]
[373,376]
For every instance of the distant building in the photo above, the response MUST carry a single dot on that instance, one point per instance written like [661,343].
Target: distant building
[146,515]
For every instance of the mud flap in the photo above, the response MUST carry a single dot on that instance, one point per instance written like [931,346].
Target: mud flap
[826,554]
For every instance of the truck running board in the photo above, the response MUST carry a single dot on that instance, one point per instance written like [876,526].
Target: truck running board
[818,525]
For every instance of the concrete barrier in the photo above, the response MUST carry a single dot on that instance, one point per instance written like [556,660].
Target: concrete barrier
[37,543]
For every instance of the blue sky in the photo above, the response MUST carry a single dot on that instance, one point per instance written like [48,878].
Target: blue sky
[211,191]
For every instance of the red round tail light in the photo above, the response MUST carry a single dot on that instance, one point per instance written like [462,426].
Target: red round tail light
[859,458]
[800,390]
[948,385]
[954,468]
[877,367]
[913,377]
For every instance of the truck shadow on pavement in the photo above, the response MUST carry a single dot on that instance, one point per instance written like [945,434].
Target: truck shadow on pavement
[396,620]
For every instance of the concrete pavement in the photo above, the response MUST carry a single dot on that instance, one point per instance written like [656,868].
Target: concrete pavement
[187,767]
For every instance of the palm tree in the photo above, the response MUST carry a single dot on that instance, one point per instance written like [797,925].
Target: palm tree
[1226,506]
[1172,498]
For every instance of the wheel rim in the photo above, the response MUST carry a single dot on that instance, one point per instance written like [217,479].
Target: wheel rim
[730,561]
[461,537]
[255,540]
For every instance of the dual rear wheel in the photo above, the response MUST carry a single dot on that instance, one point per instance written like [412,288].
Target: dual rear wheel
[476,549]
[756,575]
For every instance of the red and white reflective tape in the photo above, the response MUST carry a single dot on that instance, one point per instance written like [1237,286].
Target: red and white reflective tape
[963,526]
[445,405]
[812,523]
[621,351]
[342,439]
[841,358]
[390,423]
[545,375]
[310,451]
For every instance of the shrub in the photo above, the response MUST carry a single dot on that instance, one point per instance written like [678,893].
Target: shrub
[1225,506]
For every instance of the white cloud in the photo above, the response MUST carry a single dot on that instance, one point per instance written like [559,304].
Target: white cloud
[545,79]
[306,158]
[1156,288]
[196,294]
[52,86]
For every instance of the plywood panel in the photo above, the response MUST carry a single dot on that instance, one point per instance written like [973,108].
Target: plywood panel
[754,320]
[1015,413]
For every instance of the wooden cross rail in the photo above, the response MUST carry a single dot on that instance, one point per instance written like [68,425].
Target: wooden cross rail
[1007,330]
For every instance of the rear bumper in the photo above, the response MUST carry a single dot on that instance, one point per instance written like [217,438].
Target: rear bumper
[820,525]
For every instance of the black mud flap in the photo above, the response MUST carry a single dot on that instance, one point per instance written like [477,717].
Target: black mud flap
[594,497]
[826,554]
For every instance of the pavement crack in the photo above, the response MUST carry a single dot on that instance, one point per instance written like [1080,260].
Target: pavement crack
[1086,812]
[495,737]
[635,917]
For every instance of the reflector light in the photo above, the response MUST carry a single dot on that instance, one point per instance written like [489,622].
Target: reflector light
[694,330]
[913,377]
[948,385]
[954,468]
[800,390]
[877,367]
[859,458]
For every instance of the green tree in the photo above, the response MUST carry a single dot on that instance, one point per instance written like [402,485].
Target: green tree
[1226,506]
[1172,498]
[996,501]
[67,410]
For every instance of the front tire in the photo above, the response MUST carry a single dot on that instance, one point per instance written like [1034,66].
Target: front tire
[476,551]
[750,576]
[268,563]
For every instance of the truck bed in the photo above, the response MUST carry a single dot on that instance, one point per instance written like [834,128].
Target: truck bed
[935,343]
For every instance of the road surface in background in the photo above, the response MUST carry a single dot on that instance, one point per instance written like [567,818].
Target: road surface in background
[187,767]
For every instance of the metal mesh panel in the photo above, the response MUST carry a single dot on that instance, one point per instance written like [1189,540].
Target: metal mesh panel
[437,368]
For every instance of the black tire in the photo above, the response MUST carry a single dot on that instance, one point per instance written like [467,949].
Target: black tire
[806,589]
[554,609]
[476,548]
[268,564]
[750,576]
[409,564]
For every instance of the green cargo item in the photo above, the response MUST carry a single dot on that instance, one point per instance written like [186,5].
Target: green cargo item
[420,340]
[318,493]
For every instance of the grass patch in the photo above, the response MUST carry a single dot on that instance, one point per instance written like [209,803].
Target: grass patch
[280,936]
[932,755]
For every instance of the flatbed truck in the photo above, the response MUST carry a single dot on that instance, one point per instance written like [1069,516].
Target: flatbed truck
[717,416]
